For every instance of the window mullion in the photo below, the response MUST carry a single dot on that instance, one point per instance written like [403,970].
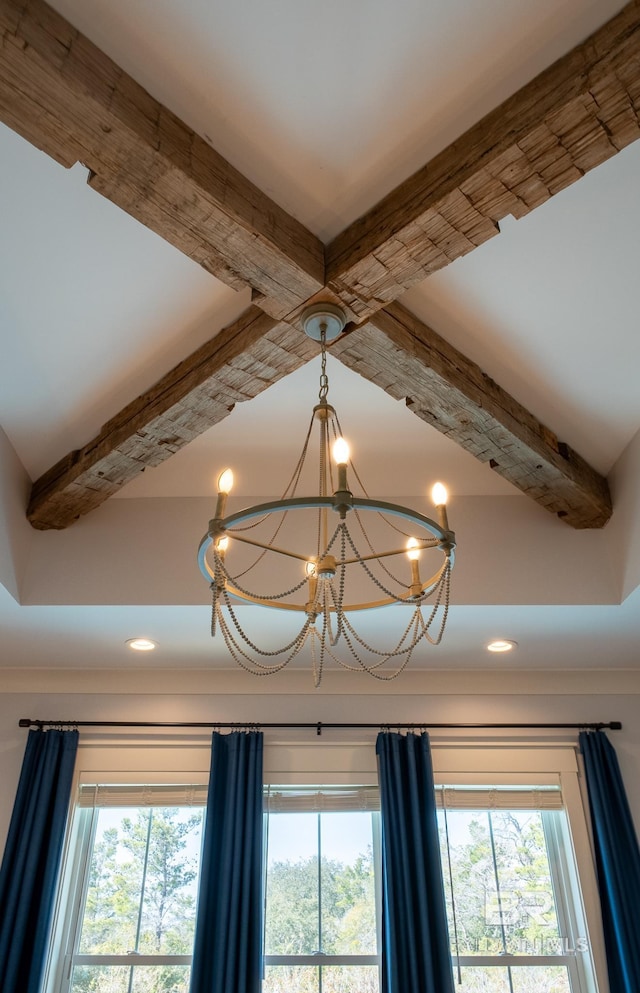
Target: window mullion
[131,960]
[514,961]
[321,960]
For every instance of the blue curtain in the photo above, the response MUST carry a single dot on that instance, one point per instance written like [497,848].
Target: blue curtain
[32,855]
[227,954]
[617,861]
[415,940]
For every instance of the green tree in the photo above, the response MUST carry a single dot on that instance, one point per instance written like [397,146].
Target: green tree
[524,919]
[140,898]
[348,923]
[168,904]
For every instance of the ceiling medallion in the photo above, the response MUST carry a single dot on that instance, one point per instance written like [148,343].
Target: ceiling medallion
[313,555]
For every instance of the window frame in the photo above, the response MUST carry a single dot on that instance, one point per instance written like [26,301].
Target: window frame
[539,764]
[111,760]
[322,959]
[68,931]
[464,760]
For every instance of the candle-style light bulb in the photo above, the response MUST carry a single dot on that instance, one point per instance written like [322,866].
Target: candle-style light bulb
[413,549]
[439,496]
[225,485]
[225,481]
[413,554]
[222,544]
[311,606]
[341,451]
[341,456]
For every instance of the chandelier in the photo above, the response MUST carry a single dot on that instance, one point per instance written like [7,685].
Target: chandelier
[325,558]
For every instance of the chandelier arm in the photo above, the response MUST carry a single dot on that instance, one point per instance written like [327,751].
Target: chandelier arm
[267,548]
[428,543]
[383,555]
[394,598]
[271,601]
[249,597]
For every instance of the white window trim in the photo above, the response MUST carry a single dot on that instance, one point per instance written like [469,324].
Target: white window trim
[506,764]
[119,760]
[371,807]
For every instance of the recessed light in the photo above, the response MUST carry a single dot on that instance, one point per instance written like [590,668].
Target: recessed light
[501,645]
[141,644]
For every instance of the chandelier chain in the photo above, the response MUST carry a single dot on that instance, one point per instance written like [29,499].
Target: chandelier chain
[372,669]
[394,527]
[260,669]
[257,596]
[374,579]
[324,379]
[385,656]
[247,640]
[423,544]
[237,652]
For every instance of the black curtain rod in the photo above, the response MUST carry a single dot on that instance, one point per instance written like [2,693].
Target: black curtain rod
[319,726]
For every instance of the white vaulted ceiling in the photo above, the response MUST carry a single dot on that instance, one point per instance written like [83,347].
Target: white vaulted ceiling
[326,107]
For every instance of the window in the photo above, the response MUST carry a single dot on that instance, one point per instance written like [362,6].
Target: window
[131,886]
[522,917]
[127,911]
[321,932]
[515,916]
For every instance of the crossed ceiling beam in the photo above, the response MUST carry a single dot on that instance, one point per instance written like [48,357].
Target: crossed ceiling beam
[66,97]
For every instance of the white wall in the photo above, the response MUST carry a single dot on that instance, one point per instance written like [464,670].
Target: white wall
[16,534]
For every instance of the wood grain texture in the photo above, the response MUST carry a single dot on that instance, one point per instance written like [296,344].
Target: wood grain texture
[66,97]
[569,119]
[237,364]
[408,360]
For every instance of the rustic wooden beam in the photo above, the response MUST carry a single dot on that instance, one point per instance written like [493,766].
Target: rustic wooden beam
[69,99]
[573,116]
[408,360]
[237,364]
